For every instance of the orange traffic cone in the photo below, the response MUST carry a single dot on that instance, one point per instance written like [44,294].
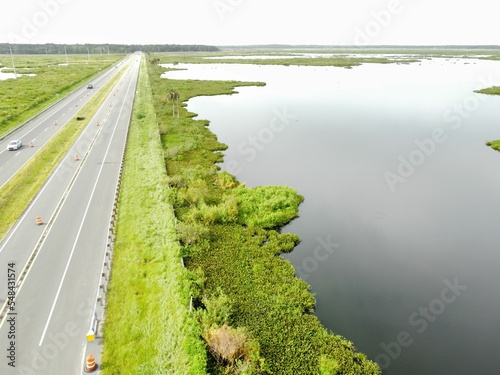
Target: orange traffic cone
[39,220]
[90,364]
[77,157]
[31,143]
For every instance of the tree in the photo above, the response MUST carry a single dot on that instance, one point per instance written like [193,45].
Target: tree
[173,96]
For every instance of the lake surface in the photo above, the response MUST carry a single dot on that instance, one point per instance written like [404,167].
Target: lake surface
[4,75]
[400,226]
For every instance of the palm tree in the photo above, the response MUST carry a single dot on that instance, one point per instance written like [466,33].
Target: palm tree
[173,96]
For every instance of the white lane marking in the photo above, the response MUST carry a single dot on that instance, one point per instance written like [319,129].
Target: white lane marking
[41,146]
[81,225]
[56,171]
[52,114]
[36,152]
[45,233]
[17,153]
[69,259]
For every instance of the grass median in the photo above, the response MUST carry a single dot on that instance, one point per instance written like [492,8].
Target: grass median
[18,192]
[149,328]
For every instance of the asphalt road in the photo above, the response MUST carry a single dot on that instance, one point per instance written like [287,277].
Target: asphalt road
[57,267]
[42,128]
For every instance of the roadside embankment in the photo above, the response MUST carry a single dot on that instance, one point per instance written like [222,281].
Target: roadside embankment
[149,328]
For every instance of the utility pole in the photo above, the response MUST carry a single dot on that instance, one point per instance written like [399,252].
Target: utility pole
[66,53]
[13,65]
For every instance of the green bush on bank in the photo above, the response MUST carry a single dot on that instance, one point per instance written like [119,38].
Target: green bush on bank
[267,206]
[231,242]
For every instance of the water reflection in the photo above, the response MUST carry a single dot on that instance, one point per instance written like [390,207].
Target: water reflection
[5,75]
[397,249]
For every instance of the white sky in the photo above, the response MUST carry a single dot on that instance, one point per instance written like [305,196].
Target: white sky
[243,22]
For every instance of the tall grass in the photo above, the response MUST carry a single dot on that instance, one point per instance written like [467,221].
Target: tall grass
[149,328]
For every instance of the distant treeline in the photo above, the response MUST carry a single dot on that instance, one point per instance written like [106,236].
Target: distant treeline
[54,49]
[381,46]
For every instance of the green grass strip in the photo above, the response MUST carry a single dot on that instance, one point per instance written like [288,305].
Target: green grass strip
[149,328]
[16,194]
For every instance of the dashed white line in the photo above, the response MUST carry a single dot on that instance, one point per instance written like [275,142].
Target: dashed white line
[83,221]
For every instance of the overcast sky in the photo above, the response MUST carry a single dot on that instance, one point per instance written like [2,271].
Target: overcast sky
[244,22]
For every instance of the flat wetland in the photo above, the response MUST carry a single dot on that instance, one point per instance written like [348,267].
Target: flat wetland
[330,210]
[338,136]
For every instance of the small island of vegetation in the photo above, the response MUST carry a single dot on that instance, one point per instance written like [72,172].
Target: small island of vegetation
[495,90]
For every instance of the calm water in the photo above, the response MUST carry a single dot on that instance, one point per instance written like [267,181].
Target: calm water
[400,225]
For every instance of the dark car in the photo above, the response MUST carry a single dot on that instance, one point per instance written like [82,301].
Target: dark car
[90,86]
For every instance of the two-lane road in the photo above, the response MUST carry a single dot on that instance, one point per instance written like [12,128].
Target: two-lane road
[45,331]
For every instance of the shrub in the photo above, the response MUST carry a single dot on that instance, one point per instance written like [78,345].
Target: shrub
[191,233]
[233,349]
[267,206]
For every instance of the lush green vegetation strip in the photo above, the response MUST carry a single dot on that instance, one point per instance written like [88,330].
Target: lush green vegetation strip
[256,316]
[343,61]
[346,57]
[22,188]
[149,328]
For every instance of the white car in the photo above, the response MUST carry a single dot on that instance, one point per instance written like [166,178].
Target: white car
[14,145]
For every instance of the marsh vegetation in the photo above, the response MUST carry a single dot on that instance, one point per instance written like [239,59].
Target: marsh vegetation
[231,243]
